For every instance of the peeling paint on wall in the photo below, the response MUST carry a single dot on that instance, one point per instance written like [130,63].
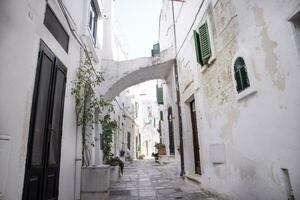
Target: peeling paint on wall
[232,118]
[268,45]
[256,74]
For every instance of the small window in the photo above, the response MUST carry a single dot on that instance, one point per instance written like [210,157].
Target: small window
[93,20]
[161,115]
[240,75]
[56,29]
[156,50]
[202,44]
[159,95]
[128,140]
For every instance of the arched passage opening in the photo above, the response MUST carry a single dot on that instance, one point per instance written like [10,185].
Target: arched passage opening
[125,74]
[134,134]
[138,115]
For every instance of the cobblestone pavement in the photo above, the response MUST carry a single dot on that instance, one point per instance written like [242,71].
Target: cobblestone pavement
[147,180]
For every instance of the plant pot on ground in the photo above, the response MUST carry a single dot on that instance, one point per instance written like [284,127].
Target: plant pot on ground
[161,148]
[116,162]
[162,151]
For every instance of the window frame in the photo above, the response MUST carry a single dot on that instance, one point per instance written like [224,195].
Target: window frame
[159,95]
[239,69]
[161,115]
[212,57]
[93,21]
[50,21]
[252,89]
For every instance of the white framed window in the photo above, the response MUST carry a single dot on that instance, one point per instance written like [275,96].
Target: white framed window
[93,18]
[242,75]
[204,46]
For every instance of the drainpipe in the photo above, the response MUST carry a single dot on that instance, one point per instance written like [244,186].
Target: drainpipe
[182,173]
[98,132]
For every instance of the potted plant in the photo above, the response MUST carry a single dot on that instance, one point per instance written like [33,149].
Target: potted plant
[161,148]
[116,168]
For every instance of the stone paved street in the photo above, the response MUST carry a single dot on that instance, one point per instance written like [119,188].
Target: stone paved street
[147,180]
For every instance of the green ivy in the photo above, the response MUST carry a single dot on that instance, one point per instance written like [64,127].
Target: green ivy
[87,101]
[109,126]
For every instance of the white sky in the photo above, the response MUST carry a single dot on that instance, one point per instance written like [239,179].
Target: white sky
[138,25]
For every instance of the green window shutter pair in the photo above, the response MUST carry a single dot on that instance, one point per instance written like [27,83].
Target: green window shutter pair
[202,44]
[159,95]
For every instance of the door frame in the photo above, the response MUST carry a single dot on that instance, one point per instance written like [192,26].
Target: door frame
[45,151]
[195,135]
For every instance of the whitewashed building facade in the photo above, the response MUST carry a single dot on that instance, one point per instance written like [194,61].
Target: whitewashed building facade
[40,44]
[238,63]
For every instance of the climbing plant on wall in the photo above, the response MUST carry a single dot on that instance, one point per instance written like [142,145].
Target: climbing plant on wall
[109,126]
[88,101]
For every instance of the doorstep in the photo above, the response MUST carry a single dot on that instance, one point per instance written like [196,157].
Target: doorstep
[193,178]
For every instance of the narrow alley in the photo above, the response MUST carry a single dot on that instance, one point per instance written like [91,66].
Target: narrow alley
[148,180]
[194,99]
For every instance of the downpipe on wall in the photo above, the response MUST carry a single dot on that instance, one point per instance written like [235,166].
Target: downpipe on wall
[182,172]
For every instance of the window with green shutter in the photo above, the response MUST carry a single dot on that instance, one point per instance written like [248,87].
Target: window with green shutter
[159,95]
[161,115]
[240,75]
[202,44]
[197,47]
[205,48]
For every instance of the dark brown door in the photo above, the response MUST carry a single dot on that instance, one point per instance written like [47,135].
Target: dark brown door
[171,131]
[195,138]
[44,142]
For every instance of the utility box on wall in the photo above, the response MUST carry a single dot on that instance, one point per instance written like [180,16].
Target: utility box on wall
[217,153]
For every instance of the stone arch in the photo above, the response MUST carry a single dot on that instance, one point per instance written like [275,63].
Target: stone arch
[127,73]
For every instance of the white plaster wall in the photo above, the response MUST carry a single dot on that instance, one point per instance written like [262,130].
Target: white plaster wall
[260,131]
[107,50]
[125,124]
[147,113]
[22,29]
[166,39]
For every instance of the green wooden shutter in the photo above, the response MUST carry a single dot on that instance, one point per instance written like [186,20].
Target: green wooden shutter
[161,116]
[159,95]
[238,81]
[197,47]
[240,75]
[204,43]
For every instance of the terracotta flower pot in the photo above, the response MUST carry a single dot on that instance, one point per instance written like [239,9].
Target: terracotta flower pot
[162,151]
